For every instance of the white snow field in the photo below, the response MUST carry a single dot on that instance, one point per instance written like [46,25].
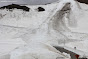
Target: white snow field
[32,35]
[8,45]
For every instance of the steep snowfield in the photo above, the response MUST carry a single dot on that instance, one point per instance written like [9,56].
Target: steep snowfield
[61,22]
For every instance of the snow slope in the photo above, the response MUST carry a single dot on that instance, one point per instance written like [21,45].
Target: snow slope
[61,22]
[8,45]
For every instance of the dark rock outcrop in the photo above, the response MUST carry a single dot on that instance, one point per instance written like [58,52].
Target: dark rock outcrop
[40,9]
[83,1]
[12,6]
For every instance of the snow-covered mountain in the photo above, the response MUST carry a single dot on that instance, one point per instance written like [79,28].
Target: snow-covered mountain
[35,33]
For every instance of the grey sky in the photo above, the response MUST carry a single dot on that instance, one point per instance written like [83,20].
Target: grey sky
[6,2]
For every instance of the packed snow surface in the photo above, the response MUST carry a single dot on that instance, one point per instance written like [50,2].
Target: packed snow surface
[32,35]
